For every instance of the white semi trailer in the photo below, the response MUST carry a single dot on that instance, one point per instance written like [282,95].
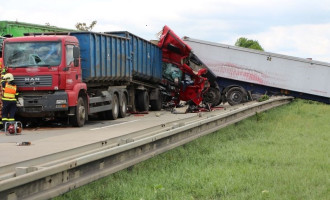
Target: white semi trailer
[243,72]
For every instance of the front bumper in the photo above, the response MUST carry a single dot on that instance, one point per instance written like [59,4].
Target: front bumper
[42,104]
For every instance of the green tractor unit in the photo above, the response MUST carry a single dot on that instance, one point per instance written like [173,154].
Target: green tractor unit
[16,29]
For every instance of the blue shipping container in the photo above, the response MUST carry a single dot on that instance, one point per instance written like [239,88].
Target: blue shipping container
[108,58]
[103,57]
[146,57]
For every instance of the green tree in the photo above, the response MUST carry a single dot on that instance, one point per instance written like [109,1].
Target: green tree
[246,43]
[84,27]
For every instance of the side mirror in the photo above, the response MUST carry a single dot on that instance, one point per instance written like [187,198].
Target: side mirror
[76,55]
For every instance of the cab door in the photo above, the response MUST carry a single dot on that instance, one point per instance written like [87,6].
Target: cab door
[72,72]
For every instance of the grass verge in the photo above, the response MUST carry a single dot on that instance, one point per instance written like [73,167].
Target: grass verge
[280,154]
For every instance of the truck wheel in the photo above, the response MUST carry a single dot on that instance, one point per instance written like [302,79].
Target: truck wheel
[123,107]
[114,112]
[236,95]
[157,104]
[212,96]
[143,101]
[79,118]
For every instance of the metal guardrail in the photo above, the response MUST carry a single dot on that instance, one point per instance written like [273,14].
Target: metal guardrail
[49,180]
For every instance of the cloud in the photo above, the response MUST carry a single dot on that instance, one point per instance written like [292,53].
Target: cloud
[298,28]
[305,41]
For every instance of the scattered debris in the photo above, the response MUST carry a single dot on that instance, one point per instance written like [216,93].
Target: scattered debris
[180,110]
[23,143]
[264,97]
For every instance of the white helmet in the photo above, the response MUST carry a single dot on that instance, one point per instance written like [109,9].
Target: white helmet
[8,77]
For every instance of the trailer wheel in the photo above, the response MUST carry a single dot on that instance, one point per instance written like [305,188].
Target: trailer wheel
[143,101]
[114,112]
[212,96]
[123,107]
[79,118]
[236,95]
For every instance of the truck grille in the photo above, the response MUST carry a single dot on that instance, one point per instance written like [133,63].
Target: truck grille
[33,109]
[33,81]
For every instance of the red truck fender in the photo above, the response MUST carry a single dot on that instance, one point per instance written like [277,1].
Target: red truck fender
[74,93]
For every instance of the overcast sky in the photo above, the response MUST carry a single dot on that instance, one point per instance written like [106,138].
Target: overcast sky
[292,27]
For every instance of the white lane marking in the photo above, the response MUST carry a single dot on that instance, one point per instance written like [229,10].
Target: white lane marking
[93,129]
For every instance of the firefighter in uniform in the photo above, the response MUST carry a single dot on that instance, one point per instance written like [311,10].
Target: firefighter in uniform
[3,73]
[8,98]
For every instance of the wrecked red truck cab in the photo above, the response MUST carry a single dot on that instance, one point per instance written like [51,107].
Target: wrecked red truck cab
[193,84]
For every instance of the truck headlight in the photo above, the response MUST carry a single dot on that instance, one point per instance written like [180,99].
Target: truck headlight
[61,101]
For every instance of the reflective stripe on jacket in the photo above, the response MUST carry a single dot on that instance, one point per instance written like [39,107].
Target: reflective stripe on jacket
[9,92]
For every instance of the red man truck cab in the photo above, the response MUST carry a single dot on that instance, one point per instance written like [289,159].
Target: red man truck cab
[48,75]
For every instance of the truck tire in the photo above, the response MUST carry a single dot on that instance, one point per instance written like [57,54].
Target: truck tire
[157,104]
[79,119]
[114,112]
[123,107]
[143,101]
[236,95]
[212,96]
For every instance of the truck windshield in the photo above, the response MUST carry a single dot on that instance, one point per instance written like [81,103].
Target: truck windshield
[32,54]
